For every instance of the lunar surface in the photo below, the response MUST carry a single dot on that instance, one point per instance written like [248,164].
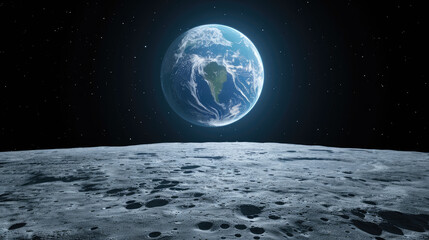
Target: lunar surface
[214,191]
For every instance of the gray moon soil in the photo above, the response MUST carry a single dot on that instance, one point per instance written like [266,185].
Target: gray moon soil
[214,191]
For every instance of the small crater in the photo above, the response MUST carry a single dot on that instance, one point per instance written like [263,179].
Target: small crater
[274,217]
[324,219]
[4,197]
[189,167]
[369,202]
[302,227]
[224,226]
[367,227]
[240,226]
[250,210]
[205,225]
[280,203]
[188,205]
[134,205]
[166,184]
[178,189]
[147,154]
[198,194]
[309,159]
[383,180]
[287,230]
[17,225]
[154,234]
[89,188]
[257,230]
[210,157]
[358,212]
[113,191]
[321,150]
[94,228]
[157,203]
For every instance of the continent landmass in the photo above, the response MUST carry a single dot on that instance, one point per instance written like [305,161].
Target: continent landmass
[216,76]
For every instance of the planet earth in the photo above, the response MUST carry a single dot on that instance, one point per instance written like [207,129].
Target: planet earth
[214,191]
[212,75]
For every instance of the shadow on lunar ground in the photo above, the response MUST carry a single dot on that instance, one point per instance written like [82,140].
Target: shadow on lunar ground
[256,191]
[393,222]
[41,178]
[309,159]
[210,157]
[321,150]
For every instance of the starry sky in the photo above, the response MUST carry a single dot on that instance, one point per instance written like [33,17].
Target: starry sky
[337,73]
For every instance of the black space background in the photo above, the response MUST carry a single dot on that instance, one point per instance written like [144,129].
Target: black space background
[337,73]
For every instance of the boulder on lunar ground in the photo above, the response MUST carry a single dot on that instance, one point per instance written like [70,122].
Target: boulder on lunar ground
[214,191]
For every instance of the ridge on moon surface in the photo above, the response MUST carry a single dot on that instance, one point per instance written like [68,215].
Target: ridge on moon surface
[214,191]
